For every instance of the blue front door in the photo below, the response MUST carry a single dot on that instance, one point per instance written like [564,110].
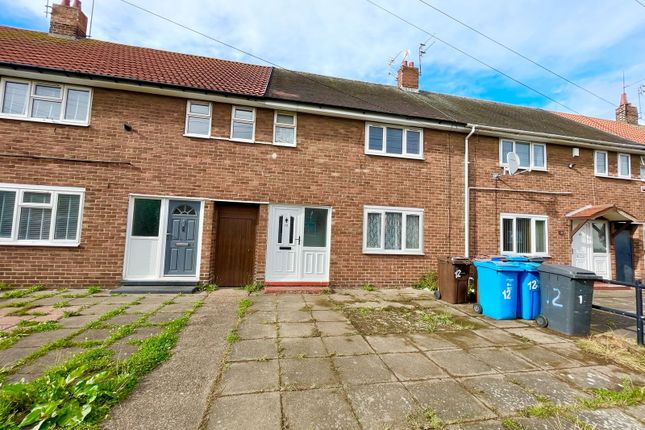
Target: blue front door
[182,238]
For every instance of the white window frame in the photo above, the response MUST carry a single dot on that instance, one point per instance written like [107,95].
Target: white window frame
[189,114]
[31,89]
[383,152]
[629,165]
[533,218]
[642,167]
[404,212]
[532,145]
[20,189]
[294,126]
[595,163]
[245,121]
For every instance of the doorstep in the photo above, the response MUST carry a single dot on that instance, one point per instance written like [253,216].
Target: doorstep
[296,287]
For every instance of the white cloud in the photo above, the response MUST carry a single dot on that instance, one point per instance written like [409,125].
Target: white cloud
[591,42]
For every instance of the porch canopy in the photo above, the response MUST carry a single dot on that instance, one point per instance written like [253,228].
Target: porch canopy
[609,212]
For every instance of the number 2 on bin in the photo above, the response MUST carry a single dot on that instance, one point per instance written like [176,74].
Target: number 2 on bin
[507,293]
[555,301]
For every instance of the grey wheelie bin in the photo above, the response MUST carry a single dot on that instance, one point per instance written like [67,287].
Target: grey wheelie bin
[567,293]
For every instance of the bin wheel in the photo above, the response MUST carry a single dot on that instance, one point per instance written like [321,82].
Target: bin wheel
[437,295]
[541,321]
[477,308]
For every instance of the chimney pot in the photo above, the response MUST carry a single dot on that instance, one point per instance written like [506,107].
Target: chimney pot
[626,112]
[68,20]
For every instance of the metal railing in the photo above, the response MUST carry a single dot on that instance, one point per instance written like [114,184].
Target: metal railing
[638,316]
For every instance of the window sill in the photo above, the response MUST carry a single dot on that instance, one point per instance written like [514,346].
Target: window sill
[381,252]
[286,145]
[44,244]
[620,178]
[197,136]
[408,157]
[45,121]
[525,169]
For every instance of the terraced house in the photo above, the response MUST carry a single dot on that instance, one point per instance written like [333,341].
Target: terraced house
[121,164]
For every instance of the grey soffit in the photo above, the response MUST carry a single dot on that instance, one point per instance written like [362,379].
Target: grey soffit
[362,96]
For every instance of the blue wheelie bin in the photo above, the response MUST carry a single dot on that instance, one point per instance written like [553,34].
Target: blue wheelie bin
[528,301]
[497,288]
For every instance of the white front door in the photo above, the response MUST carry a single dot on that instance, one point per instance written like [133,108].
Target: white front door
[298,244]
[590,248]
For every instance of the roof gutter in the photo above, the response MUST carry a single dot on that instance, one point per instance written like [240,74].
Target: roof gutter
[556,138]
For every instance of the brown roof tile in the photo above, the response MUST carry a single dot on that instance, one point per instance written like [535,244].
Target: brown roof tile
[628,131]
[94,57]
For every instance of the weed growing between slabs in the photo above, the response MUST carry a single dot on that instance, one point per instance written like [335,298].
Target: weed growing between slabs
[80,393]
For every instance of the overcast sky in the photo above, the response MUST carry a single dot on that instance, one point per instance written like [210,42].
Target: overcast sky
[591,42]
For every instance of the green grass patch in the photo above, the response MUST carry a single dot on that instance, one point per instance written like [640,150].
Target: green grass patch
[428,281]
[368,287]
[233,337]
[615,348]
[68,314]
[23,292]
[254,287]
[93,289]
[543,409]
[24,329]
[208,288]
[511,424]
[424,419]
[243,307]
[61,304]
[80,393]
[629,395]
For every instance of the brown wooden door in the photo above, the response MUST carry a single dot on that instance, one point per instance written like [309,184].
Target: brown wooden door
[235,245]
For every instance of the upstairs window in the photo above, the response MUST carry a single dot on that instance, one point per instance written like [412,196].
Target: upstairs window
[389,230]
[394,141]
[532,156]
[524,235]
[32,215]
[42,101]
[243,124]
[284,129]
[601,167]
[624,166]
[642,167]
[198,119]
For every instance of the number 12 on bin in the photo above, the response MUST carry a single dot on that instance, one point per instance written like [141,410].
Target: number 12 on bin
[506,293]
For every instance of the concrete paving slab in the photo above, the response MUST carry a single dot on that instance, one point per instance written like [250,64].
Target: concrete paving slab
[298,329]
[500,337]
[245,411]
[123,319]
[144,333]
[327,315]
[480,425]
[301,347]
[90,300]
[610,419]
[572,352]
[362,369]
[176,308]
[77,322]
[466,339]
[382,406]
[38,367]
[449,400]
[294,316]
[502,360]
[248,330]
[302,410]
[319,303]
[330,328]
[262,317]
[346,345]
[122,350]
[537,335]
[506,324]
[622,374]
[430,342]
[545,384]
[255,349]
[163,317]
[637,412]
[249,377]
[412,366]
[502,396]
[460,363]
[100,309]
[307,373]
[390,344]
[93,334]
[544,358]
[40,339]
[558,422]
[590,377]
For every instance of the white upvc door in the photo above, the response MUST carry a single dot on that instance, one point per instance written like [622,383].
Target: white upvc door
[590,248]
[298,246]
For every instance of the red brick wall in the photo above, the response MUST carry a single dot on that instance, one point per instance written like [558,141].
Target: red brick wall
[328,167]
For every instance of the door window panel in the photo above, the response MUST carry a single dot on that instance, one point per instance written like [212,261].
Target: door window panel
[599,234]
[145,219]
[315,227]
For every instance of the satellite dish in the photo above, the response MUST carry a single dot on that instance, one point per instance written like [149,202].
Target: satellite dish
[513,163]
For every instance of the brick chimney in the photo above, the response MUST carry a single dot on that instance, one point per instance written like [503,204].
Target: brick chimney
[625,112]
[68,20]
[408,77]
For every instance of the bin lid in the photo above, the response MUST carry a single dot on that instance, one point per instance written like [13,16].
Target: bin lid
[569,271]
[500,266]
[517,258]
